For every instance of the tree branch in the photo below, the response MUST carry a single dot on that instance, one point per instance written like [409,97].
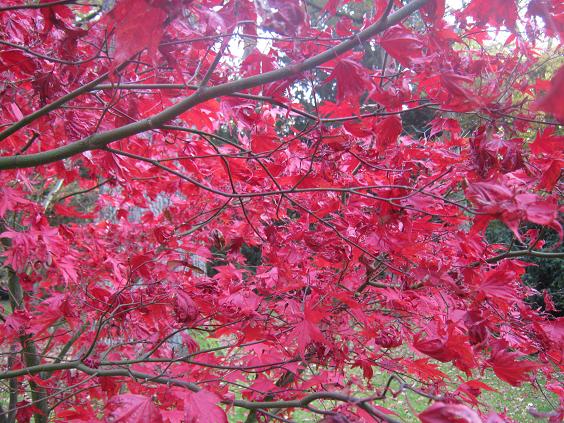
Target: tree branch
[100,140]
[29,352]
[525,253]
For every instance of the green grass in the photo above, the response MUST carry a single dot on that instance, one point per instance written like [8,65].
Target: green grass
[513,401]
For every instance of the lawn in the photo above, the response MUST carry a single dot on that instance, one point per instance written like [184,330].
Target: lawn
[513,401]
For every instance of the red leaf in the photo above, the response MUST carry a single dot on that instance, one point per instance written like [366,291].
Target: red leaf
[9,199]
[263,142]
[69,211]
[441,412]
[459,88]
[553,101]
[139,264]
[25,411]
[498,284]
[137,25]
[551,13]
[433,10]
[494,12]
[402,45]
[547,142]
[551,175]
[388,130]
[507,367]
[201,407]
[285,17]
[185,309]
[132,408]
[15,60]
[352,80]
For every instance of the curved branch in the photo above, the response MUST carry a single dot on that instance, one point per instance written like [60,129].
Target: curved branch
[49,58]
[49,108]
[37,6]
[250,405]
[525,253]
[100,140]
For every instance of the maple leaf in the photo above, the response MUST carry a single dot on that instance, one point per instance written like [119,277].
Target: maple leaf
[461,96]
[445,343]
[10,199]
[494,12]
[137,25]
[25,411]
[388,130]
[264,142]
[402,45]
[352,80]
[185,309]
[498,284]
[509,367]
[50,311]
[307,330]
[201,407]
[132,408]
[547,142]
[18,62]
[551,175]
[552,102]
[433,10]
[441,412]
[285,17]
[551,13]
[472,390]
[16,324]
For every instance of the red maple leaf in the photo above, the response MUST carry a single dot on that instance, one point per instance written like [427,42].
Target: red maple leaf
[402,45]
[493,12]
[512,367]
[132,408]
[137,25]
[553,101]
[441,412]
[433,10]
[352,80]
[201,407]
[498,284]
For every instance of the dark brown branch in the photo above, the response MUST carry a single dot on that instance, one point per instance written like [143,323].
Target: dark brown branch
[84,191]
[49,58]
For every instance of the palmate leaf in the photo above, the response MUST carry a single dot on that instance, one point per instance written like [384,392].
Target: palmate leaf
[132,408]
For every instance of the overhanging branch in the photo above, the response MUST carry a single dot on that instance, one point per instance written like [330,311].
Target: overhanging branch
[100,140]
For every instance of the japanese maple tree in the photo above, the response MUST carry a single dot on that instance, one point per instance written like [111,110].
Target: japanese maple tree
[216,208]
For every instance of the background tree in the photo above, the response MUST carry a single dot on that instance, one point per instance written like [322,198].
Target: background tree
[211,206]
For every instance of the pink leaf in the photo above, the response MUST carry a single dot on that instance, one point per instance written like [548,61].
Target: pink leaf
[507,367]
[201,407]
[137,25]
[441,412]
[352,80]
[132,408]
[553,101]
[402,45]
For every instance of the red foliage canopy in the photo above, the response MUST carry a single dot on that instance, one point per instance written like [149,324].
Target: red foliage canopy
[210,206]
